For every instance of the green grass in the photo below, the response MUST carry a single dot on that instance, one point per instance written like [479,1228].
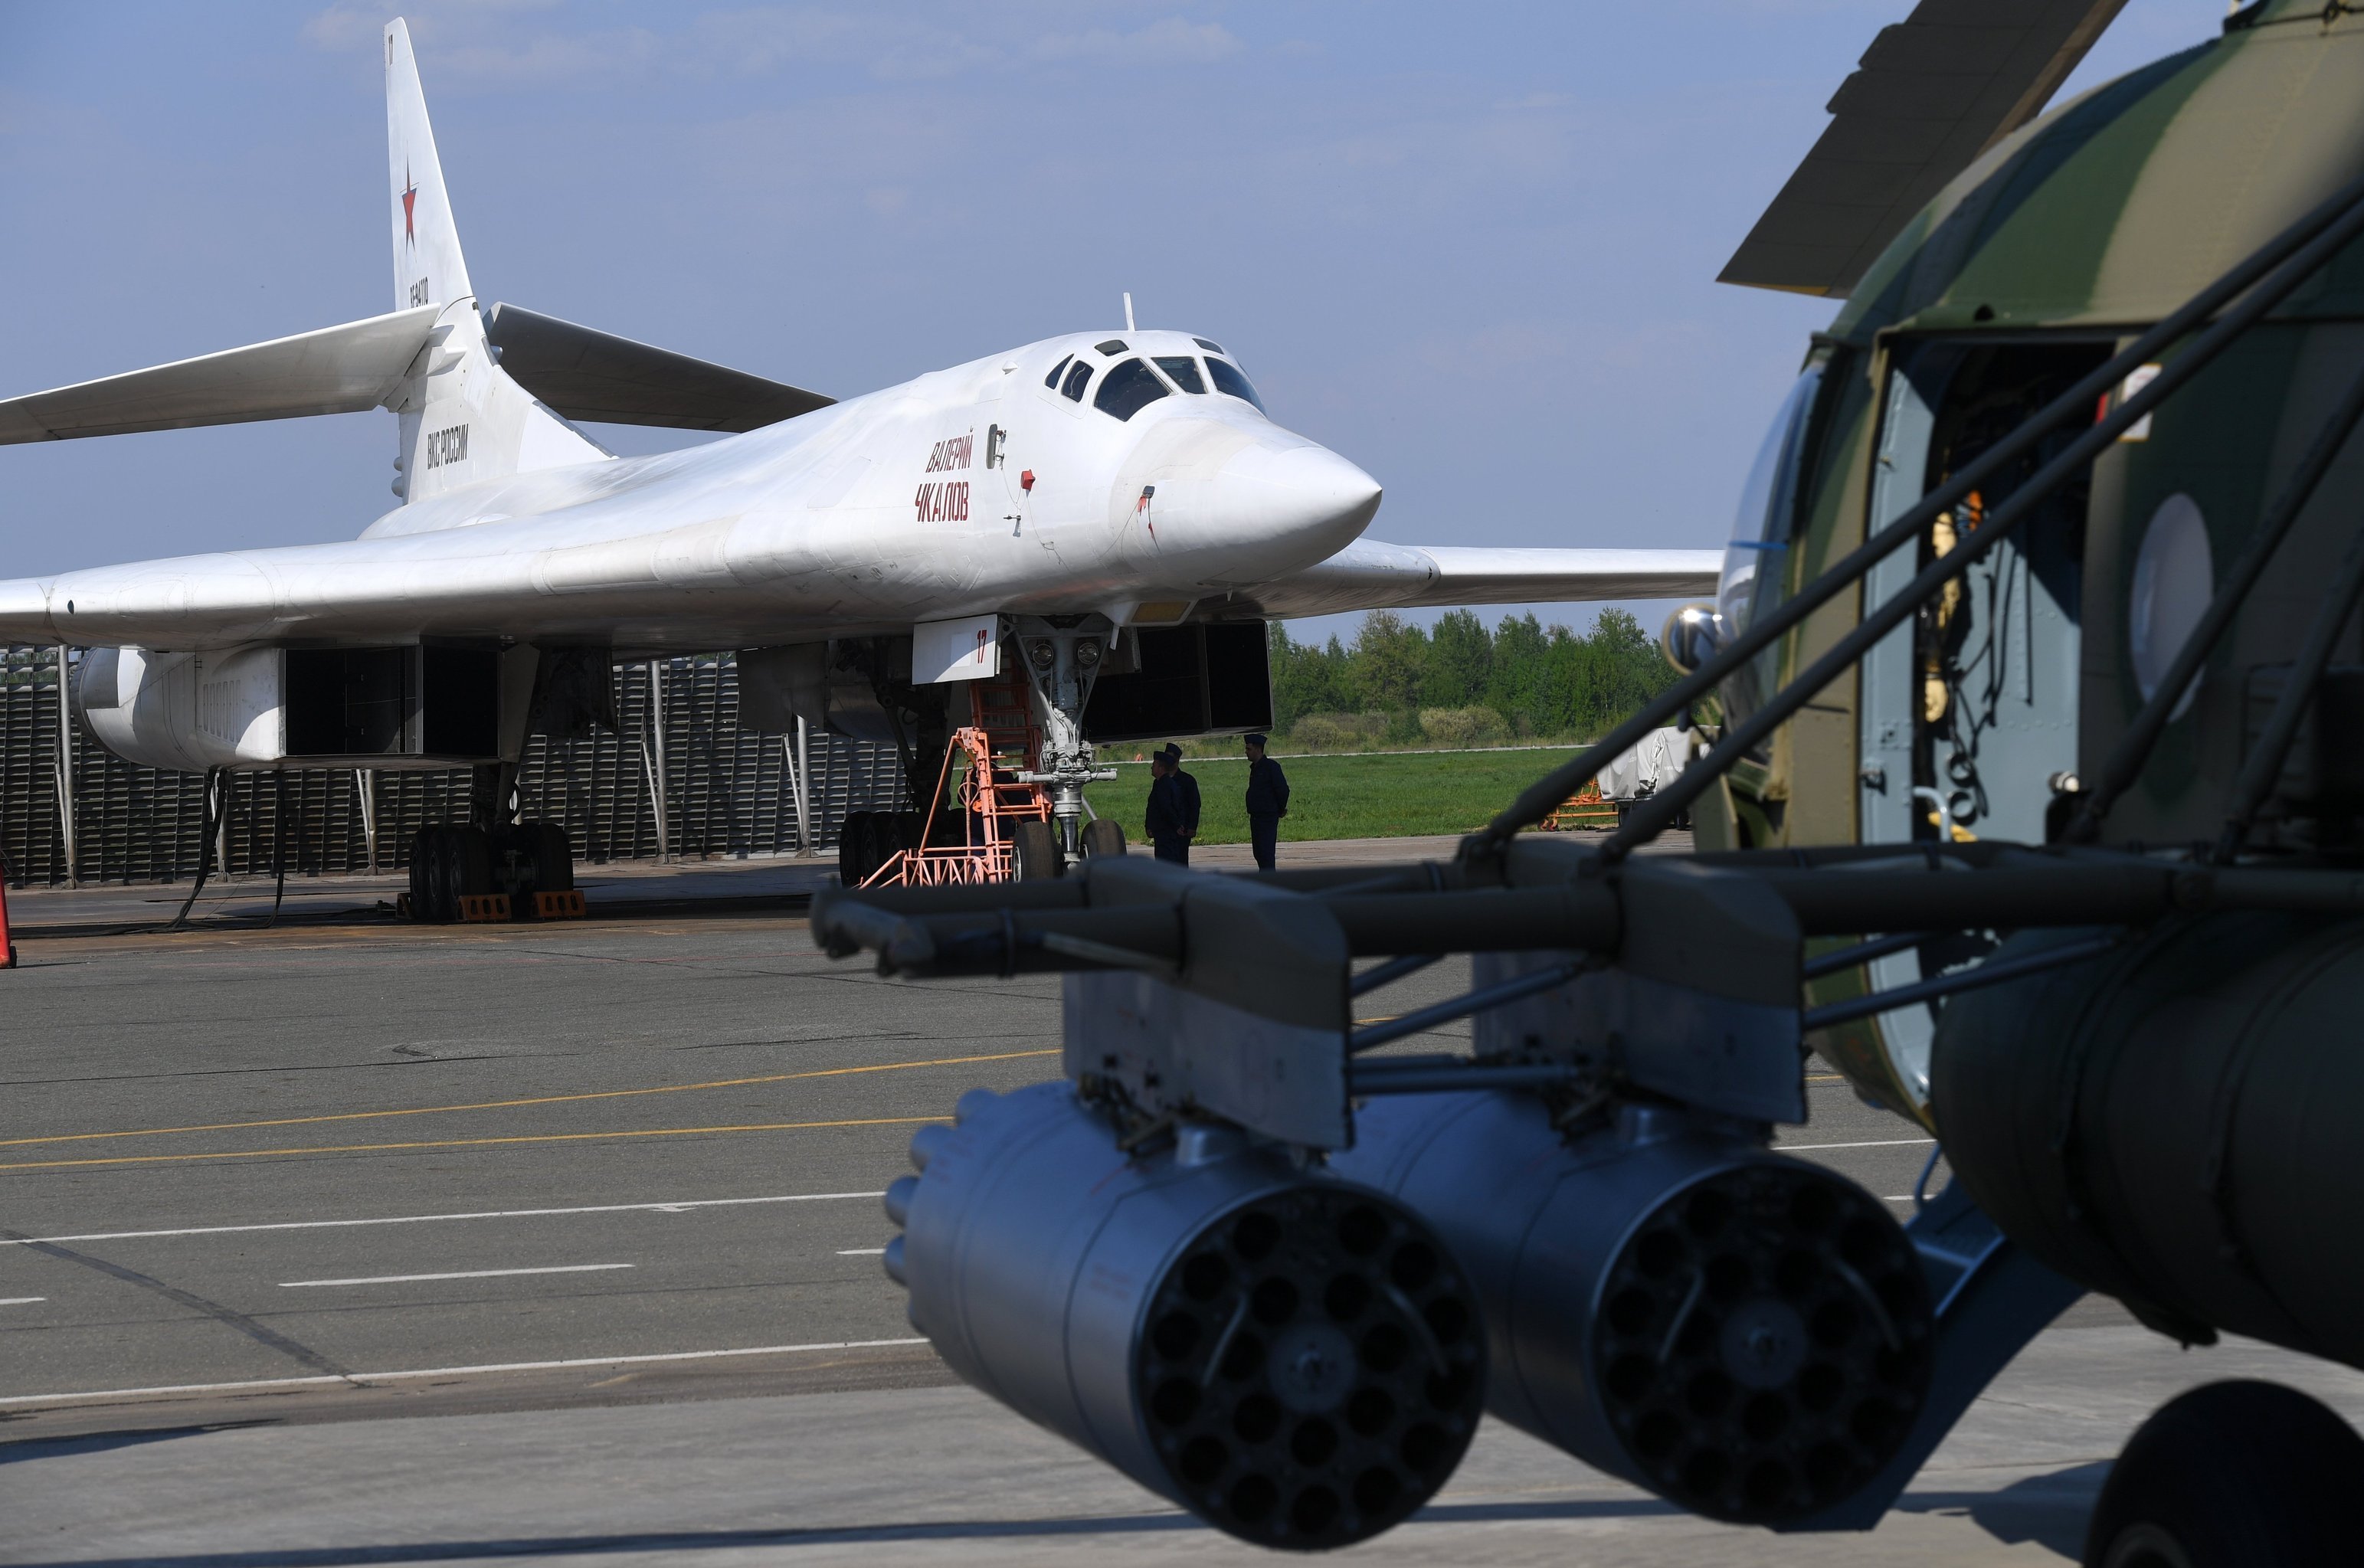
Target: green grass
[1393,796]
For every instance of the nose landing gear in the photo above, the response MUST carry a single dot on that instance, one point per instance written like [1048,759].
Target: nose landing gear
[1063,656]
[1016,809]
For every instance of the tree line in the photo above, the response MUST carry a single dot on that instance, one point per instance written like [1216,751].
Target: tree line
[1460,684]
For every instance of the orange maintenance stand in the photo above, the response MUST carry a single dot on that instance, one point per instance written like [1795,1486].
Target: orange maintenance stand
[1587,808]
[1001,742]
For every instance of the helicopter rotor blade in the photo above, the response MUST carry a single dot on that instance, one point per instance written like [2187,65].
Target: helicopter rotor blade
[1932,93]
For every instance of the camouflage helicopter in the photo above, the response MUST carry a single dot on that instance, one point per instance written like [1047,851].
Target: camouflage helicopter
[2027,794]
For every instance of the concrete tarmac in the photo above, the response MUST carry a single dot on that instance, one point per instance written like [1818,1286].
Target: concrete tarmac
[602,1197]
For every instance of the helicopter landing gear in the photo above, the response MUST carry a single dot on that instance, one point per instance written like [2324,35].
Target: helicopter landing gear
[2232,1475]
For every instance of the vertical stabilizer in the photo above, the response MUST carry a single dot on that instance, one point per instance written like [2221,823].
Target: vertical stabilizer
[464,419]
[427,268]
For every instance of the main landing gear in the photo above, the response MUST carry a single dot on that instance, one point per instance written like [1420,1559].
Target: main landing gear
[2233,1475]
[449,862]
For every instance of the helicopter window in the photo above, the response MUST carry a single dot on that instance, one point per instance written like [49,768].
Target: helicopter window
[1113,346]
[1760,534]
[1209,344]
[1127,389]
[1227,378]
[1077,379]
[1051,379]
[1182,371]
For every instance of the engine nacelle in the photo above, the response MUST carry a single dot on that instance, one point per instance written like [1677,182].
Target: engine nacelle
[1295,1359]
[1744,1334]
[188,712]
[261,707]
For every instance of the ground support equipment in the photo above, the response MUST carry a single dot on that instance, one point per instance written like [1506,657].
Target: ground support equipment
[1586,809]
[1002,826]
[521,870]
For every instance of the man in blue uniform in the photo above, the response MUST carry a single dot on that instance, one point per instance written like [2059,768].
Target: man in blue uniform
[1267,802]
[1173,815]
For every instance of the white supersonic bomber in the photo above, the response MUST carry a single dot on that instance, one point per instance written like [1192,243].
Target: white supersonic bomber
[1105,508]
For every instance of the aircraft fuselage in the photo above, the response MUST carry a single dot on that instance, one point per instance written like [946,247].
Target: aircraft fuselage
[967,491]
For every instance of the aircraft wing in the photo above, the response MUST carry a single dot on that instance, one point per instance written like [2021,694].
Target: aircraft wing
[549,576]
[1368,575]
[585,373]
[1932,92]
[336,370]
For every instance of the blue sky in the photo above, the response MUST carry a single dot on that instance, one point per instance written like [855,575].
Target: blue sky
[1470,246]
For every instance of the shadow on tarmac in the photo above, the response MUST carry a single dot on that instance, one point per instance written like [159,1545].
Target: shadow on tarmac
[727,1540]
[2049,1510]
[107,1442]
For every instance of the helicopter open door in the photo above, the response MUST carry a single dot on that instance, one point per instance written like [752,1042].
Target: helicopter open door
[1968,711]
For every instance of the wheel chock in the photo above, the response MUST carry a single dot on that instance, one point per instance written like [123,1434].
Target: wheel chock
[402,906]
[566,906]
[475,907]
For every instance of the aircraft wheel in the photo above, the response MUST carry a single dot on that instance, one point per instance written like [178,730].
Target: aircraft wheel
[553,856]
[1103,838]
[856,845]
[471,851]
[2232,1475]
[1038,853]
[425,865]
[446,861]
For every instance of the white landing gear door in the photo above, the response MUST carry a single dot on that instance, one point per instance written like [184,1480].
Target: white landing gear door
[966,648]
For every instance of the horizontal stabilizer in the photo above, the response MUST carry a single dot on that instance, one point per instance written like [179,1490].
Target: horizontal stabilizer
[1370,575]
[336,370]
[588,374]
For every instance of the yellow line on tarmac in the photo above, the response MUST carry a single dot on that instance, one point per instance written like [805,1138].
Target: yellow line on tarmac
[536,1100]
[472,1142]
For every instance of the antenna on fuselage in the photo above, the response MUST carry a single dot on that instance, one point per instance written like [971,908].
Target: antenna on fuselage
[1128,314]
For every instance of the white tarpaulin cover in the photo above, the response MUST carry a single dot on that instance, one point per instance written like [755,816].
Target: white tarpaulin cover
[1649,767]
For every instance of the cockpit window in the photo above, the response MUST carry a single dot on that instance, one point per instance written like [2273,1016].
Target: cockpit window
[1182,371]
[1756,563]
[1053,379]
[1209,344]
[1113,346]
[1077,381]
[1127,389]
[1228,378]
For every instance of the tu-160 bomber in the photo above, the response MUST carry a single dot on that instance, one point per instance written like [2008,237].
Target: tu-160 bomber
[1107,511]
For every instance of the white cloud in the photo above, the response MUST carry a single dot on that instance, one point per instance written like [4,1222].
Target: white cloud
[502,41]
[1169,41]
[547,59]
[352,27]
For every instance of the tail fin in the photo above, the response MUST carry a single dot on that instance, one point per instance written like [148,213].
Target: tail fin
[427,267]
[462,417]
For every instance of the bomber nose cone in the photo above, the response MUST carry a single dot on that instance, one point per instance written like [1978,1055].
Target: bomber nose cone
[1300,491]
